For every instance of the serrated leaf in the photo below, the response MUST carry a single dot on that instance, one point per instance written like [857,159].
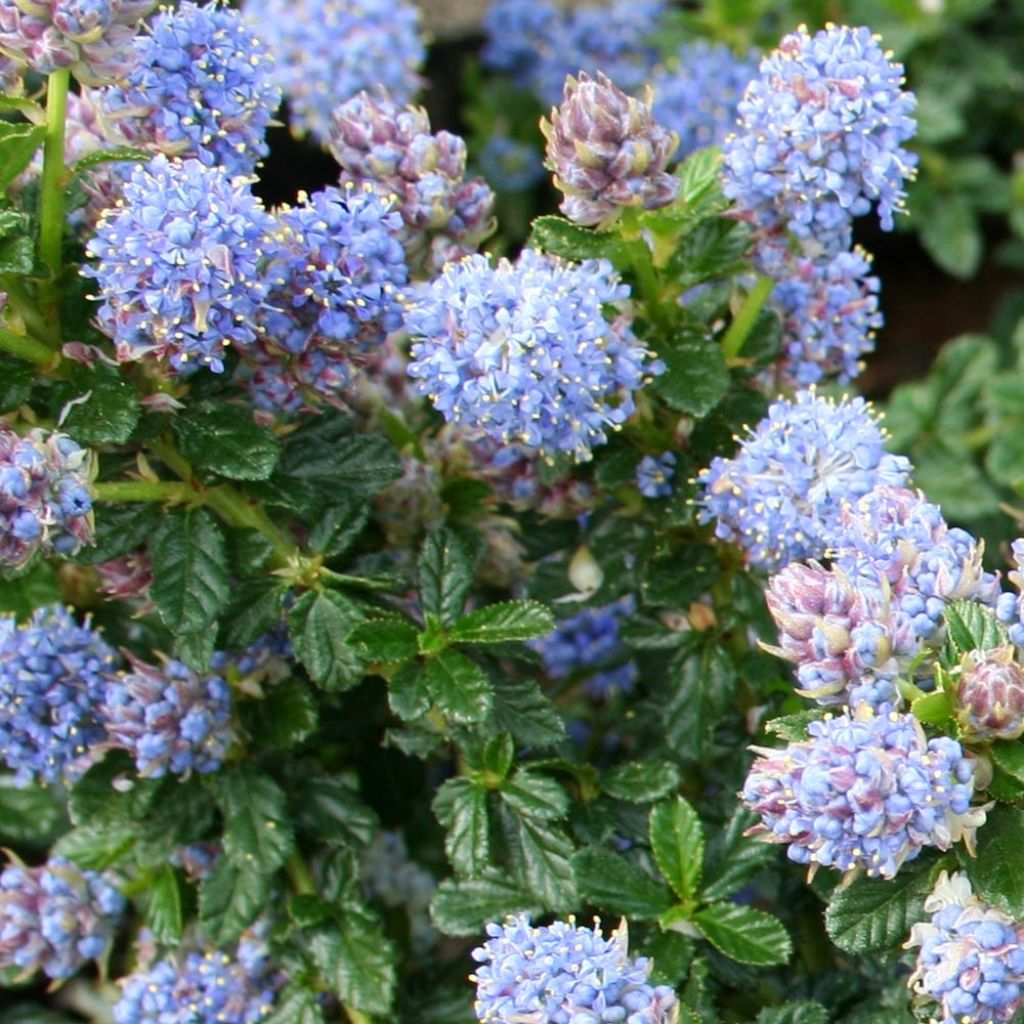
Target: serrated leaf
[318,626]
[498,755]
[732,857]
[461,807]
[357,961]
[335,813]
[408,694]
[101,406]
[997,872]
[695,377]
[546,863]
[111,154]
[459,688]
[641,782]
[386,640]
[699,175]
[257,827]
[230,899]
[677,841]
[933,708]
[190,570]
[120,529]
[296,1006]
[331,463]
[522,708]
[195,649]
[1010,758]
[285,717]
[702,686]
[254,609]
[618,886]
[794,1013]
[501,623]
[224,439]
[535,796]
[972,627]
[744,934]
[164,912]
[31,816]
[445,575]
[337,529]
[561,237]
[793,728]
[463,908]
[18,144]
[871,915]
[96,848]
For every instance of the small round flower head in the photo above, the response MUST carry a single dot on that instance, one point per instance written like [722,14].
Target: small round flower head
[91,37]
[54,918]
[990,695]
[1009,606]
[203,988]
[333,294]
[866,792]
[820,136]
[45,496]
[177,264]
[654,475]
[698,90]
[169,719]
[510,165]
[781,495]
[327,51]
[970,956]
[200,85]
[523,353]
[607,152]
[52,678]
[588,645]
[566,975]
[380,144]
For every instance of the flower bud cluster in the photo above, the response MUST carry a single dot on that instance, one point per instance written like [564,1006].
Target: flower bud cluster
[990,695]
[45,497]
[127,578]
[607,152]
[379,143]
[867,791]
[56,917]
[91,37]
[566,975]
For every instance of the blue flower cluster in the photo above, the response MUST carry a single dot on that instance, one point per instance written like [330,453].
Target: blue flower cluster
[333,294]
[327,51]
[389,875]
[523,353]
[54,918]
[780,497]
[697,92]
[866,792]
[204,988]
[566,975]
[91,37]
[168,718]
[178,264]
[588,644]
[510,165]
[970,958]
[1009,606]
[654,475]
[200,86]
[52,677]
[45,498]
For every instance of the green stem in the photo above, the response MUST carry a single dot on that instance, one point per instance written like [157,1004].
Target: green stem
[743,324]
[143,490]
[51,195]
[24,347]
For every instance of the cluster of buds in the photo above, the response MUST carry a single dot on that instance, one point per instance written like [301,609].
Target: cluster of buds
[990,695]
[607,152]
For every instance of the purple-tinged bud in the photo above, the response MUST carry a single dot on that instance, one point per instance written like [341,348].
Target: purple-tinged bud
[990,695]
[127,578]
[607,152]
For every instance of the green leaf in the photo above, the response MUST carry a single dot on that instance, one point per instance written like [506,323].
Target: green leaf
[17,247]
[337,529]
[195,649]
[972,627]
[33,816]
[744,934]
[121,529]
[464,907]
[498,755]
[702,687]
[330,464]
[1005,458]
[618,886]
[641,782]
[1010,758]
[113,154]
[695,377]
[357,962]
[224,439]
[164,913]
[546,864]
[408,694]
[733,857]
[458,687]
[230,899]
[16,380]
[319,625]
[385,640]
[190,570]
[445,575]
[522,708]
[296,1006]
[934,708]
[794,1013]
[254,609]
[561,237]
[699,175]
[793,728]
[677,840]
[951,235]
[102,406]
[18,144]
[35,588]
[535,796]
[334,812]
[96,847]
[871,915]
[500,623]
[285,716]
[997,872]
[461,807]
[257,828]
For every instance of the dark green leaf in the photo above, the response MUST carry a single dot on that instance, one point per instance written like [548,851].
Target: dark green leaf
[1010,758]
[102,407]
[96,847]
[1005,458]
[463,908]
[385,640]
[34,589]
[336,530]
[254,609]
[971,626]
[997,873]
[872,916]
[164,913]
[951,235]
[535,796]
[257,828]
[357,962]
[224,439]
[461,807]
[296,1006]
[499,623]
[794,1013]
[230,899]
[18,144]
[695,377]
[33,816]
[521,708]
[408,694]
[334,465]
[793,728]
[334,812]
[195,649]
[733,857]
[546,863]
[641,782]
[498,756]
[458,687]
[190,570]
[120,529]
[677,840]
[445,574]
[285,717]
[618,886]
[671,953]
[16,380]
[319,625]
[702,686]
[744,934]
[673,581]
[32,1013]
[561,237]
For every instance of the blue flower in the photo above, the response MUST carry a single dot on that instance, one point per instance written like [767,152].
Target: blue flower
[201,86]
[820,137]
[1010,607]
[56,917]
[654,475]
[781,495]
[327,51]
[866,792]
[510,165]
[521,36]
[177,264]
[523,353]
[563,974]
